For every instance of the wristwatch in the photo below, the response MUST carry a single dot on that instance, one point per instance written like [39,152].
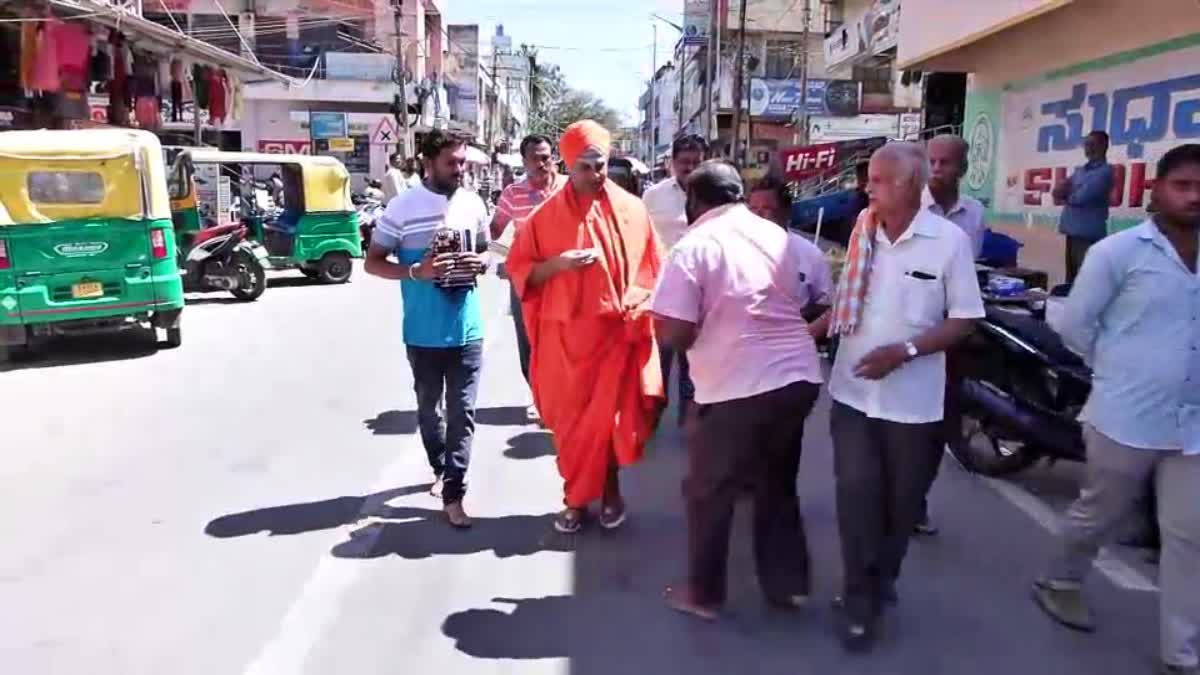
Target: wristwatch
[911,350]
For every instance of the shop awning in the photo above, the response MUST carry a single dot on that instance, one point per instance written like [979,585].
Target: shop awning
[155,37]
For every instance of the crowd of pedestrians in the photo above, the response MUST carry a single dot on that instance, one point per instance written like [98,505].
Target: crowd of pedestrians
[609,291]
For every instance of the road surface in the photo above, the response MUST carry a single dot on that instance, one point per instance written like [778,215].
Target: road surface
[255,502]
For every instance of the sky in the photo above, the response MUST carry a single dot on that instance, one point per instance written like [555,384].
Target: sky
[602,46]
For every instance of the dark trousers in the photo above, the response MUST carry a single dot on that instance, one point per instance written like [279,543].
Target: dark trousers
[687,391]
[882,471]
[952,417]
[522,337]
[454,372]
[1077,248]
[755,441]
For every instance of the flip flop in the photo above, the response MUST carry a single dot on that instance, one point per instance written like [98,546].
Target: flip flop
[676,600]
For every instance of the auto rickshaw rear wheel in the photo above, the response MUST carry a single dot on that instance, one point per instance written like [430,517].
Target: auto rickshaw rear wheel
[334,268]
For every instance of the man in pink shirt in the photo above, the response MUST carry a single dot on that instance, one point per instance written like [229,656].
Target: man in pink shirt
[516,203]
[734,296]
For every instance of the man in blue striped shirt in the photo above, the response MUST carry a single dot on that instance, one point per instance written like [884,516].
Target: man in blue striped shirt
[1085,196]
[443,329]
[1134,316]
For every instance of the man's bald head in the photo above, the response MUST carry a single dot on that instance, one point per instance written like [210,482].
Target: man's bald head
[947,163]
[713,184]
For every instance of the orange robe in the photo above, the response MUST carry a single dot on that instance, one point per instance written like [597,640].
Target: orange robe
[594,365]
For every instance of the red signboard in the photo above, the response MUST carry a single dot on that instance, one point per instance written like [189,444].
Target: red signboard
[802,162]
[300,147]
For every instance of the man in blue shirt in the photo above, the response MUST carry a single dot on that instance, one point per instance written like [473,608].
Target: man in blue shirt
[1085,197]
[1134,316]
[443,329]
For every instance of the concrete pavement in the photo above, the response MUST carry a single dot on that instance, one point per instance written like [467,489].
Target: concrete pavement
[254,502]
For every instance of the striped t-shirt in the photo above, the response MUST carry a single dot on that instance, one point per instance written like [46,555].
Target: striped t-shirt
[434,317]
[521,198]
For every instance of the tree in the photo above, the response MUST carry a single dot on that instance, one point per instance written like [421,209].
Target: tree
[555,104]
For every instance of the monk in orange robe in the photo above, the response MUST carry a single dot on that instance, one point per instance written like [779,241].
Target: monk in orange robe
[584,266]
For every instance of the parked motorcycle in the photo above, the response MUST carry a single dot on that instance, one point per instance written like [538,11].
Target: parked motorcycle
[369,212]
[1020,396]
[222,258]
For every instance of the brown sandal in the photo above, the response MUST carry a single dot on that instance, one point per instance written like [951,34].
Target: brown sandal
[679,599]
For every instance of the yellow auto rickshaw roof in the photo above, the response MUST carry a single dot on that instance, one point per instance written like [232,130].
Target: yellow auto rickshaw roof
[76,143]
[128,161]
[326,180]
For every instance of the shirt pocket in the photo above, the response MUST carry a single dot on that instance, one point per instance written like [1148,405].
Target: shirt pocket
[923,300]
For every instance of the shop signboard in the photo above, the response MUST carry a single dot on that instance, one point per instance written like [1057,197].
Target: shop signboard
[881,26]
[1029,136]
[826,159]
[829,129]
[341,145]
[844,43]
[327,124]
[285,147]
[697,17]
[361,67]
[778,99]
[462,75]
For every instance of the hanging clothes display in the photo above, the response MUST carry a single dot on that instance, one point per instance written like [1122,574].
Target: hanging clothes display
[176,90]
[217,82]
[118,87]
[100,66]
[146,91]
[238,108]
[200,85]
[72,42]
[45,76]
[29,40]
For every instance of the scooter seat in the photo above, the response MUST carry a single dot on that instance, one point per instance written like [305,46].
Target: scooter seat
[212,232]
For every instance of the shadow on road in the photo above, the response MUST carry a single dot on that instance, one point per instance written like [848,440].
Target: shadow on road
[293,282]
[69,351]
[214,300]
[307,516]
[530,445]
[404,422]
[425,533]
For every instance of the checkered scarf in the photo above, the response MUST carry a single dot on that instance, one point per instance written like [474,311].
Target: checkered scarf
[852,287]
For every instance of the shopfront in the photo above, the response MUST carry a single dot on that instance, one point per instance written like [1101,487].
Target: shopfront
[1028,107]
[85,63]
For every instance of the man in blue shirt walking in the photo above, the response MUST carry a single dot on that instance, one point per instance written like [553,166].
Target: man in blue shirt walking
[438,234]
[1084,217]
[1134,316]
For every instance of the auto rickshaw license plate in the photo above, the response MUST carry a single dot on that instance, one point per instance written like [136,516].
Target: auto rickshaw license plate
[87,289]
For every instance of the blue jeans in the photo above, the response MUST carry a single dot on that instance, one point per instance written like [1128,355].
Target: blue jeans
[453,371]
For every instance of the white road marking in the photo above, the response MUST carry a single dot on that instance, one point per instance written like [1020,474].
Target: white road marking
[1113,568]
[319,601]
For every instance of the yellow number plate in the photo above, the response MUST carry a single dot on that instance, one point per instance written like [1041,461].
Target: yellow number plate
[87,289]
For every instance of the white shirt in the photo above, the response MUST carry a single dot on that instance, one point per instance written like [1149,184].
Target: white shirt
[393,184]
[666,202]
[967,213]
[902,302]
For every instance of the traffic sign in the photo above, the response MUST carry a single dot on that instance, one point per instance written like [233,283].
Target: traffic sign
[385,132]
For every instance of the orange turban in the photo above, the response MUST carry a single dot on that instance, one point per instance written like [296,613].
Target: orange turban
[580,137]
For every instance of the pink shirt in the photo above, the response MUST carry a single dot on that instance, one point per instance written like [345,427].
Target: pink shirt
[519,200]
[745,281]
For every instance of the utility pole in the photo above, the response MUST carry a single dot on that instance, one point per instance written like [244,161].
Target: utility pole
[706,103]
[402,115]
[683,59]
[654,95]
[804,73]
[739,74]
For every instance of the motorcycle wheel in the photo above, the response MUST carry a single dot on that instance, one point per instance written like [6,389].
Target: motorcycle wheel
[253,276]
[982,452]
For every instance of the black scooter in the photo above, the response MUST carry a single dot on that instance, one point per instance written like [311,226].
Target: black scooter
[223,259]
[1021,391]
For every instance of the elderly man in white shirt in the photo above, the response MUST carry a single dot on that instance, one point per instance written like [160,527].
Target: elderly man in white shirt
[908,293]
[666,201]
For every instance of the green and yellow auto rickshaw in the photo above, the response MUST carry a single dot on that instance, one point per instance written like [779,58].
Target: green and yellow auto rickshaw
[297,206]
[86,238]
